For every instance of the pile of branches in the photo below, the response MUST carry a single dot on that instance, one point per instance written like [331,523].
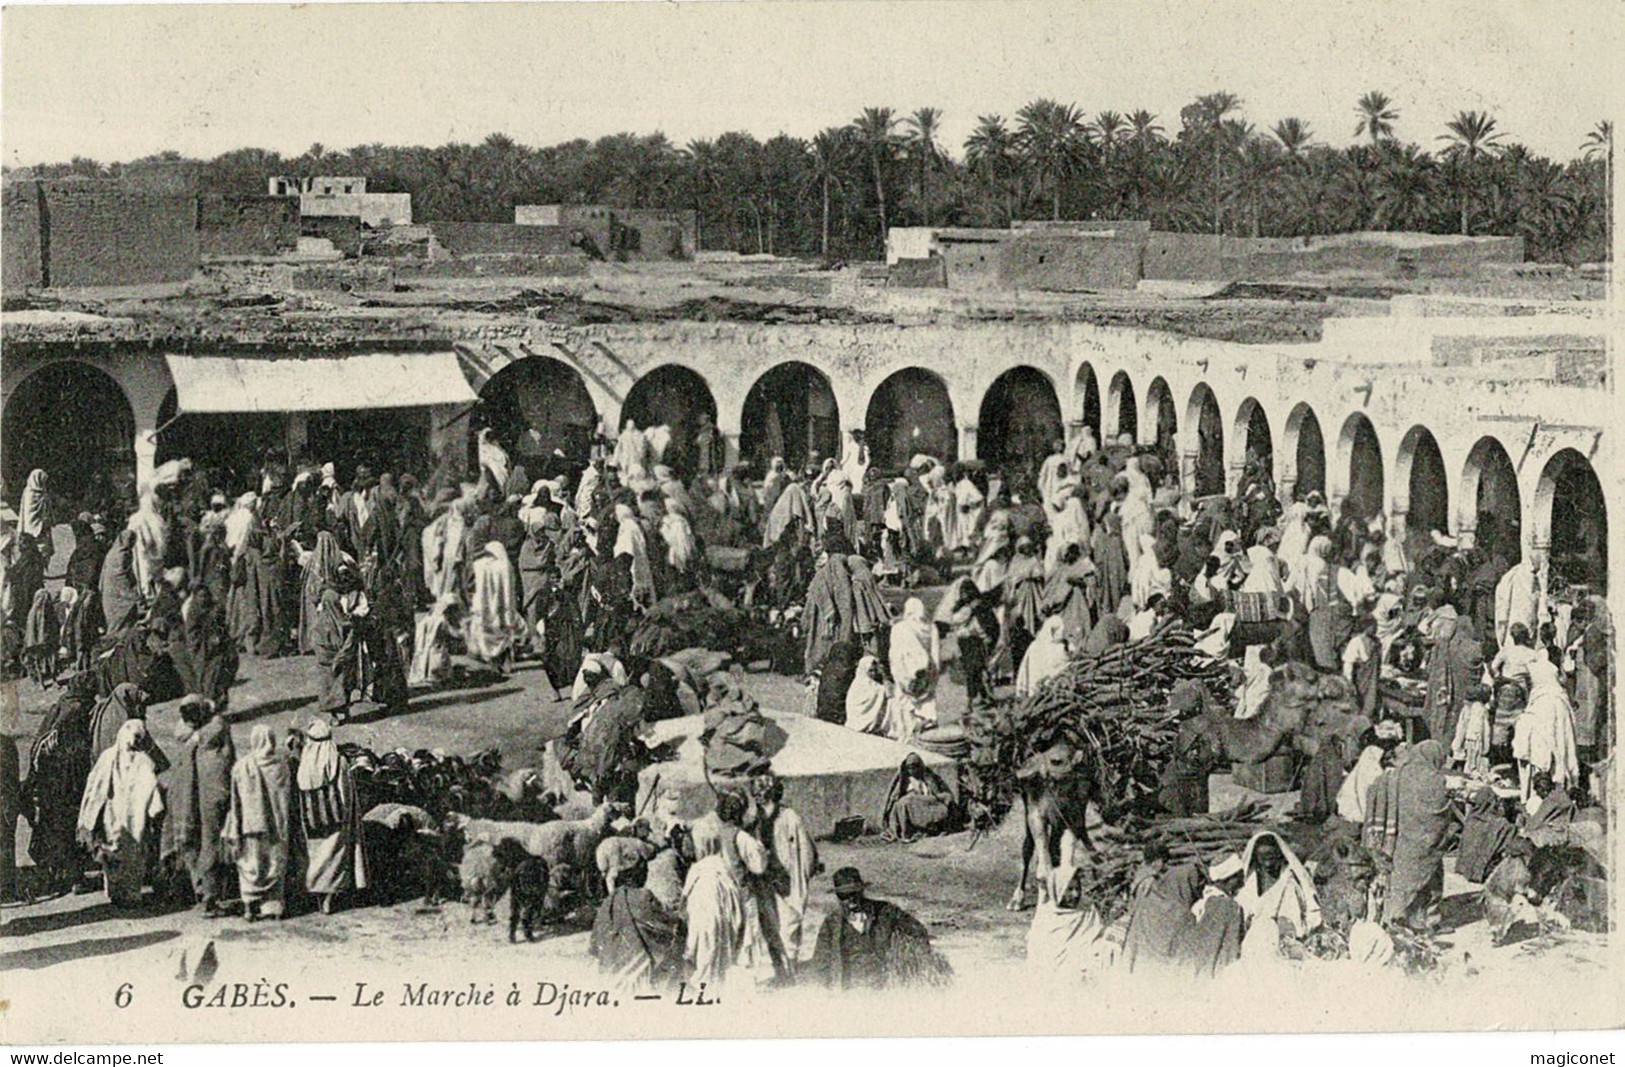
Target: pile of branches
[1129,857]
[1113,706]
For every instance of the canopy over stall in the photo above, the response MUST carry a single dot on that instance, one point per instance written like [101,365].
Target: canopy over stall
[206,384]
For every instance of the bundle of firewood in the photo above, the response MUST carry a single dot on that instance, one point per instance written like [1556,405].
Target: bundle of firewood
[1113,705]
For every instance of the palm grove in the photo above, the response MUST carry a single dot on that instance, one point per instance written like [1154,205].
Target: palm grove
[835,195]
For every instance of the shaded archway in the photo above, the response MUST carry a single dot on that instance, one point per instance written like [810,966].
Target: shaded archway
[1571,518]
[1202,413]
[1308,449]
[1020,420]
[1088,387]
[386,439]
[790,412]
[909,413]
[1419,468]
[227,447]
[1159,399]
[72,421]
[1359,458]
[1125,412]
[540,411]
[680,400]
[1490,503]
[1251,438]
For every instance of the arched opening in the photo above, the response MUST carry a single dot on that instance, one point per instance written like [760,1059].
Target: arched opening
[1089,390]
[540,411]
[1125,411]
[1020,420]
[790,412]
[1572,513]
[226,447]
[385,439]
[1308,452]
[1203,413]
[910,413]
[680,400]
[1490,502]
[1165,415]
[72,421]
[1360,455]
[1252,435]
[1427,488]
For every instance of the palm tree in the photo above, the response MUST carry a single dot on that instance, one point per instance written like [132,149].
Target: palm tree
[1211,111]
[1406,186]
[991,152]
[831,153]
[1146,132]
[1471,137]
[876,131]
[1600,142]
[702,162]
[1294,134]
[1108,129]
[923,127]
[1377,116]
[1051,136]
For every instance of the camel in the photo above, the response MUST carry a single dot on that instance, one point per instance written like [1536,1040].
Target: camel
[1302,708]
[1057,783]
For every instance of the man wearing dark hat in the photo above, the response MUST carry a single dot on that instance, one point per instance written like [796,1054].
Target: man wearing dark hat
[873,944]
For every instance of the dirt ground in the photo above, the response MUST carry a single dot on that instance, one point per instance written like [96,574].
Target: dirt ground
[957,884]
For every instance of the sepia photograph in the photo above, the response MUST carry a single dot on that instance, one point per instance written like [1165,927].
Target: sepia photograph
[808,519]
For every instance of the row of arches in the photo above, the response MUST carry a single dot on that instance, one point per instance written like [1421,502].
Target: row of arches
[74,420]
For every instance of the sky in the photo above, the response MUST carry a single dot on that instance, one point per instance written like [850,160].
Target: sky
[117,83]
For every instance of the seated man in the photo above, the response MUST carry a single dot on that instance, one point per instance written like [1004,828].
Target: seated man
[735,733]
[873,944]
[919,803]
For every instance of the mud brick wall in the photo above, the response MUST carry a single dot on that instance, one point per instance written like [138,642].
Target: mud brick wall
[501,239]
[20,237]
[655,235]
[95,233]
[925,273]
[1056,261]
[1185,257]
[343,230]
[247,225]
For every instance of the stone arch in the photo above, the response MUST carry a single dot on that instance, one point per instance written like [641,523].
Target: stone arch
[1250,436]
[1205,449]
[1305,447]
[538,408]
[1358,476]
[1421,484]
[910,412]
[75,422]
[791,412]
[1120,405]
[1087,390]
[680,399]
[1162,428]
[228,447]
[1020,419]
[1491,506]
[1571,520]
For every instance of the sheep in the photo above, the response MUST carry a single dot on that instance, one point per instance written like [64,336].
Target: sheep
[563,843]
[482,877]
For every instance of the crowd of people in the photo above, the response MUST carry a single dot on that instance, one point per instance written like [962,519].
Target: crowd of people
[388,586]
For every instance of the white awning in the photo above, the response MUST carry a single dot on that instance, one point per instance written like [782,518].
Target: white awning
[336,383]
